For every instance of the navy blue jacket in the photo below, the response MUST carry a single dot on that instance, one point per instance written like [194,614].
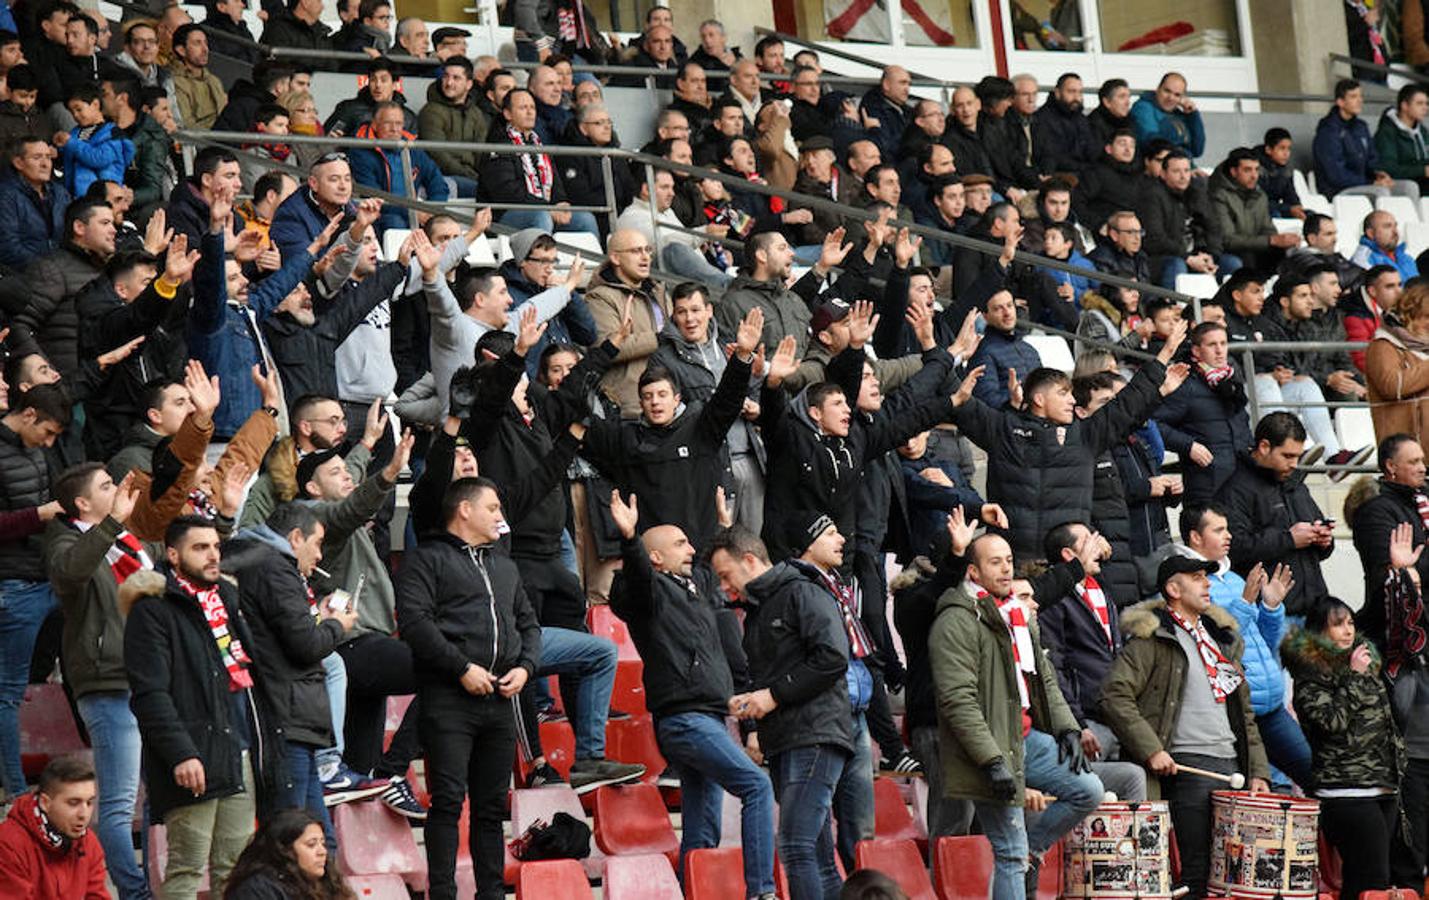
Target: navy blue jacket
[1194,413]
[1000,351]
[892,119]
[382,169]
[1073,636]
[296,222]
[33,225]
[1344,153]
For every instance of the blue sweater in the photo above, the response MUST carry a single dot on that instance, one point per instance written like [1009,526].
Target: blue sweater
[1080,283]
[1261,630]
[1150,121]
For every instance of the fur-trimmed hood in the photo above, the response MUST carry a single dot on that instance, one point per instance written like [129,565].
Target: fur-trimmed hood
[144,583]
[1144,619]
[1306,652]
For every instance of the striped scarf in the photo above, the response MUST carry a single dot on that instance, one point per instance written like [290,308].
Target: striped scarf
[1095,599]
[1221,672]
[235,658]
[536,167]
[1024,656]
[125,556]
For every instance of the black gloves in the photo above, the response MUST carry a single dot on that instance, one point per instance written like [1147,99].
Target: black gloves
[463,393]
[1069,750]
[999,776]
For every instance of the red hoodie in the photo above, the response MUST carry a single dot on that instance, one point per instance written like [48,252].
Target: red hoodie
[32,869]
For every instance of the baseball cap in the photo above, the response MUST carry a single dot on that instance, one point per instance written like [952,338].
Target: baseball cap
[827,313]
[1179,564]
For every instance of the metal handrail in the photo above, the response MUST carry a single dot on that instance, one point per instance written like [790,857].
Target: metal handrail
[840,53]
[1345,59]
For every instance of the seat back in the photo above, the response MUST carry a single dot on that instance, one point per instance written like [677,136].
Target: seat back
[962,867]
[549,878]
[530,804]
[47,727]
[392,240]
[1054,351]
[374,840]
[1403,209]
[378,887]
[647,876]
[631,819]
[632,740]
[1351,209]
[1197,284]
[899,860]
[891,818]
[715,874]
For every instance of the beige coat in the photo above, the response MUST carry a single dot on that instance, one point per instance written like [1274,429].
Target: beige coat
[606,300]
[1398,382]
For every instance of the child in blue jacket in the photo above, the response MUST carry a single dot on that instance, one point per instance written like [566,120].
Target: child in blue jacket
[95,151]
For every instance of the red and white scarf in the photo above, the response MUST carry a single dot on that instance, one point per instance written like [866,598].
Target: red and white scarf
[125,556]
[1095,599]
[1214,375]
[1421,503]
[535,166]
[235,658]
[1221,672]
[1024,656]
[860,645]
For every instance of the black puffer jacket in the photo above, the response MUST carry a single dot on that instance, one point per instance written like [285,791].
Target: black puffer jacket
[289,642]
[674,627]
[1147,514]
[24,482]
[1108,186]
[179,694]
[1261,510]
[458,604]
[1372,524]
[798,649]
[1177,224]
[969,152]
[1041,472]
[50,313]
[1111,517]
[1067,142]
[1213,417]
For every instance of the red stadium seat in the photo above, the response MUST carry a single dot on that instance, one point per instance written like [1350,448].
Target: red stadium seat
[396,709]
[892,820]
[543,803]
[714,874]
[1049,877]
[898,860]
[550,878]
[378,887]
[373,840]
[645,877]
[558,742]
[1331,869]
[47,728]
[962,867]
[632,740]
[631,820]
[629,693]
[781,877]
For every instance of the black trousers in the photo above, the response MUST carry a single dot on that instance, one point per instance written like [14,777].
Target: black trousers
[469,741]
[1361,829]
[868,570]
[381,455]
[1408,852]
[378,667]
[1189,797]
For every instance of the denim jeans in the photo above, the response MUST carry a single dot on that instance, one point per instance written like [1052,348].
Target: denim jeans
[686,261]
[540,218]
[568,553]
[1299,390]
[590,662]
[1013,839]
[465,185]
[114,735]
[1226,263]
[23,608]
[335,675]
[1285,745]
[804,782]
[853,798]
[710,762]
[307,790]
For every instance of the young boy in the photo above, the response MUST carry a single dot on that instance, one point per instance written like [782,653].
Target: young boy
[1276,178]
[1060,242]
[94,151]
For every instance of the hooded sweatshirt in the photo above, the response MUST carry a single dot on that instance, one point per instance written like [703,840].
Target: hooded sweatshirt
[38,864]
[1403,151]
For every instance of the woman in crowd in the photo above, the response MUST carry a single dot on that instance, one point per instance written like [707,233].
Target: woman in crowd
[287,860]
[1397,367]
[1357,754]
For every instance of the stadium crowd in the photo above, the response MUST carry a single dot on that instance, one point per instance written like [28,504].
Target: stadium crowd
[206,357]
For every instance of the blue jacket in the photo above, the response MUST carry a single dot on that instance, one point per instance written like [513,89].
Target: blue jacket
[1000,352]
[1344,153]
[572,325]
[296,222]
[382,169]
[103,156]
[893,120]
[1261,630]
[1150,121]
[929,503]
[1369,254]
[219,334]
[31,225]
[1080,283]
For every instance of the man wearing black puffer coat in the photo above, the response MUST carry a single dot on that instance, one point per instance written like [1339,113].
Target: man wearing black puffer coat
[292,634]
[1067,141]
[1110,514]
[1392,502]
[1205,421]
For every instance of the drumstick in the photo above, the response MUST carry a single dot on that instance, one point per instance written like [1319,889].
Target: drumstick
[1236,780]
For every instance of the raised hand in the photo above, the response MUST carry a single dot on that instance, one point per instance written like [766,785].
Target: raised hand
[203,390]
[861,323]
[783,363]
[157,234]
[126,497]
[119,354]
[1254,581]
[219,211]
[179,262]
[625,515]
[326,235]
[1014,390]
[428,256]
[834,250]
[1173,341]
[268,386]
[960,532]
[723,514]
[905,247]
[965,390]
[230,492]
[247,245]
[479,223]
[577,272]
[877,230]
[400,456]
[966,343]
[750,330]
[920,319]
[1402,552]
[1175,377]
[368,212]
[627,324]
[994,515]
[1273,592]
[375,425]
[530,330]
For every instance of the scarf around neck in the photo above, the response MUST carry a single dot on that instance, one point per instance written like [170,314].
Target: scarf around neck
[1221,672]
[536,167]
[235,658]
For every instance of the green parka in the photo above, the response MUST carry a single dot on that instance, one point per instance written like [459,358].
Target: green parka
[975,688]
[1345,714]
[443,120]
[1141,697]
[1403,152]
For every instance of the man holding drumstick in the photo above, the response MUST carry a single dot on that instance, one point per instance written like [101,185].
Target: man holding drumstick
[1178,688]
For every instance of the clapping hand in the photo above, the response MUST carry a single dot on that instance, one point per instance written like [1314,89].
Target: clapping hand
[965,390]
[751,329]
[861,323]
[530,332]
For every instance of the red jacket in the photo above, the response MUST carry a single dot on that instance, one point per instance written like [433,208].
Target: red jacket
[1362,320]
[33,870]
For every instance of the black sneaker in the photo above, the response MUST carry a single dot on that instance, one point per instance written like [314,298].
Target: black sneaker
[589,774]
[550,715]
[399,798]
[905,765]
[544,776]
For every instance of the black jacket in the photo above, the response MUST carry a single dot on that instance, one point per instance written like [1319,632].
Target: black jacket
[502,179]
[1105,125]
[1072,635]
[354,112]
[244,101]
[970,153]
[809,470]
[798,649]
[49,312]
[673,623]
[178,690]
[286,30]
[237,49]
[1261,510]
[1108,186]
[458,604]
[307,355]
[1373,523]
[1177,224]
[1213,417]
[288,643]
[1041,472]
[1067,141]
[1145,513]
[1111,517]
[584,178]
[24,482]
[1006,146]
[674,469]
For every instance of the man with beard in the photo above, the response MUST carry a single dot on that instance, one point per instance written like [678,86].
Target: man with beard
[1111,184]
[1205,421]
[452,114]
[1067,141]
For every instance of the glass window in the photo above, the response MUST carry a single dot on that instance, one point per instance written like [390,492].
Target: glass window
[926,23]
[1047,25]
[1172,27]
